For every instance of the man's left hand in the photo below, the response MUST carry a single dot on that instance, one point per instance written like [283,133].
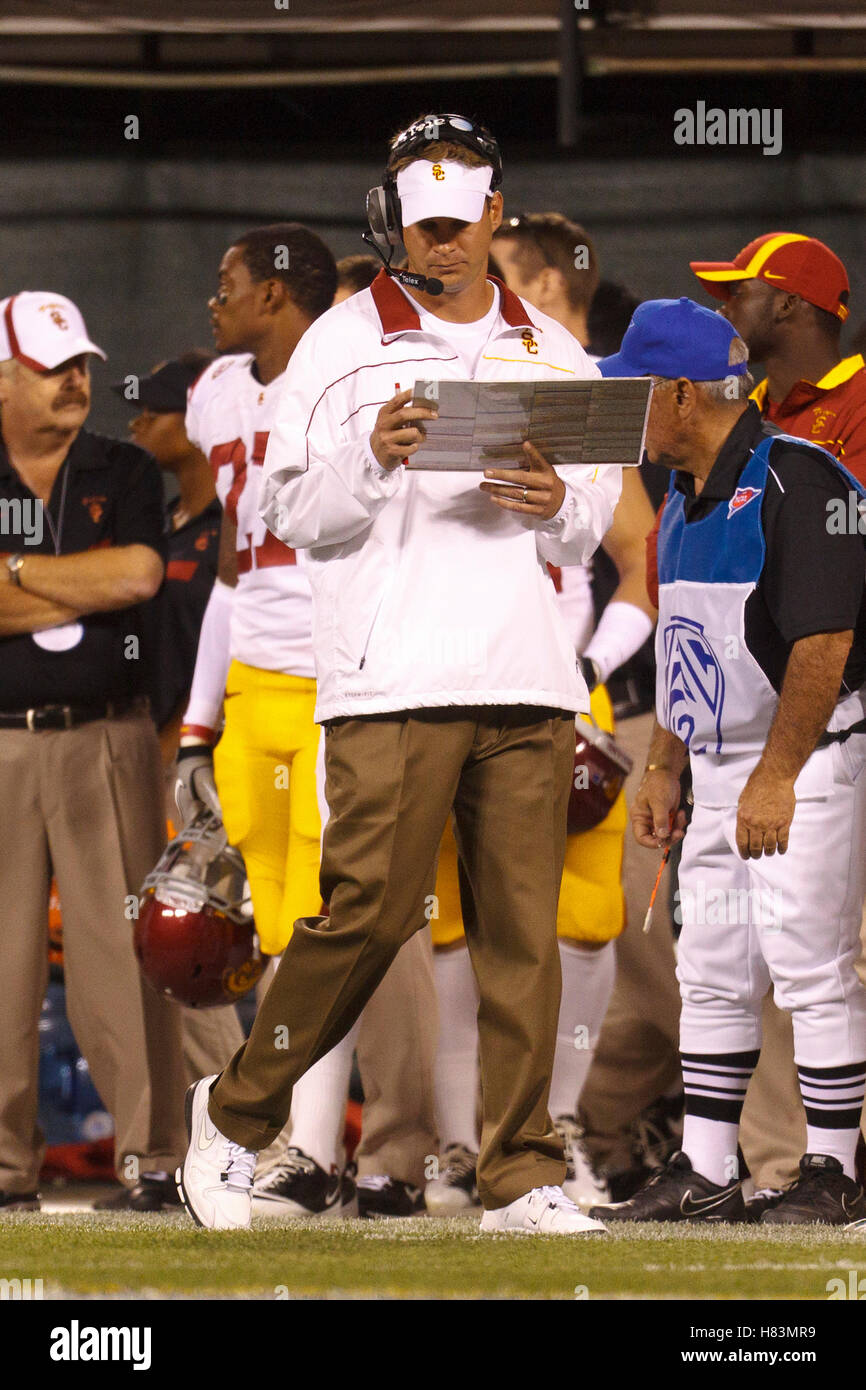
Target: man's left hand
[536,490]
[764,814]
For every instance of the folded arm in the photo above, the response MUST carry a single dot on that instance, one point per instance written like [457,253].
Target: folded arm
[94,581]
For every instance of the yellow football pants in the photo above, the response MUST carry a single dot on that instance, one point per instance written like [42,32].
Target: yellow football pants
[265,771]
[591,899]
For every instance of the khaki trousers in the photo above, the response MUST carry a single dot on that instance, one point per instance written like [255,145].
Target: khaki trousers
[773,1125]
[396,1052]
[87,804]
[637,1058]
[773,1122]
[391,783]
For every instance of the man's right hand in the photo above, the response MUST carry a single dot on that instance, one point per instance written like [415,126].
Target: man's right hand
[655,815]
[394,437]
[195,786]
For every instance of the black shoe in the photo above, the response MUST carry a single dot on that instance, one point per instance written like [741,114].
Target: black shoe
[764,1200]
[677,1193]
[381,1196]
[628,1181]
[822,1193]
[19,1201]
[298,1186]
[153,1192]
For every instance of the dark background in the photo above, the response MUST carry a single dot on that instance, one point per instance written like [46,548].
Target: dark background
[133,230]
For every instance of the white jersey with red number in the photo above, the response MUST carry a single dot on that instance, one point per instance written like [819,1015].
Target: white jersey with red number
[229,416]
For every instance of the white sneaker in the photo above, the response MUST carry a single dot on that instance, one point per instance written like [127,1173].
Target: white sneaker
[545,1211]
[582,1184]
[216,1178]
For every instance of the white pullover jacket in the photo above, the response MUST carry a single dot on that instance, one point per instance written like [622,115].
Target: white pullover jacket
[425,592]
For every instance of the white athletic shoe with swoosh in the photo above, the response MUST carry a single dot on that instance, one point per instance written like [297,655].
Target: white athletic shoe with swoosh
[215,1181]
[545,1211]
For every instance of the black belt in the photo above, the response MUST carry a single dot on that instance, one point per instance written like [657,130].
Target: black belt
[68,716]
[840,735]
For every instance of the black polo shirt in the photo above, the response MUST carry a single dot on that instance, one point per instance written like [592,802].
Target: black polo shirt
[813,580]
[190,554]
[113,497]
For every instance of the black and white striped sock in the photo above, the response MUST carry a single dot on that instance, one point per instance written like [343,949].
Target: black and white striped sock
[715,1085]
[833,1100]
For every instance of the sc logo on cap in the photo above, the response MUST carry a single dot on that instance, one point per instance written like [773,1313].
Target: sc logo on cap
[56,316]
[438,172]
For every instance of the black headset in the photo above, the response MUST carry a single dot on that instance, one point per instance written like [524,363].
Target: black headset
[383,203]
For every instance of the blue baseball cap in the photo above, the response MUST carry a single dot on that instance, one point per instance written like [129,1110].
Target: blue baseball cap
[673,338]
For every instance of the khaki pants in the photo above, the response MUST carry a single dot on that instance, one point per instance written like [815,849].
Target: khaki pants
[87,804]
[637,1058]
[773,1122]
[396,1055]
[773,1126]
[391,782]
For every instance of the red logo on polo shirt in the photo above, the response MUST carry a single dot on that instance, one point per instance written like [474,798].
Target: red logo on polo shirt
[95,508]
[741,498]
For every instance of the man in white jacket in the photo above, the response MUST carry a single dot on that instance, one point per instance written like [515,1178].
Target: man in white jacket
[446,679]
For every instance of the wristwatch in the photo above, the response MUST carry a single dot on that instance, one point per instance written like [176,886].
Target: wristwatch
[13,565]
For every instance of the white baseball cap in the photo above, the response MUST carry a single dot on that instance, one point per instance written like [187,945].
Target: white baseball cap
[442,188]
[42,330]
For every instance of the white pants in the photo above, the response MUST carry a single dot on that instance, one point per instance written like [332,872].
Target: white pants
[791,919]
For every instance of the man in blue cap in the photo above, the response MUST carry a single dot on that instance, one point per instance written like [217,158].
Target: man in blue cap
[761,651]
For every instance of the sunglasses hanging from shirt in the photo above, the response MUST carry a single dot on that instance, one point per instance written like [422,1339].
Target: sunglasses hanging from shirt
[484,424]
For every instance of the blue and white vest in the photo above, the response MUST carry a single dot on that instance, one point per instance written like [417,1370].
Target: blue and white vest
[710,690]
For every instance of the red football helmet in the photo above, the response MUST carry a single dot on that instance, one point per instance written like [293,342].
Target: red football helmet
[195,937]
[600,770]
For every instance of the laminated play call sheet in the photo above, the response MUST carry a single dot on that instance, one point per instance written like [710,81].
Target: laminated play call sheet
[482,424]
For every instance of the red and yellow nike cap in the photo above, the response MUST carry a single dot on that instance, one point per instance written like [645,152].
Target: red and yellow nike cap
[800,264]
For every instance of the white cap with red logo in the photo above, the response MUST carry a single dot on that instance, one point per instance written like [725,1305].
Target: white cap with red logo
[42,330]
[442,189]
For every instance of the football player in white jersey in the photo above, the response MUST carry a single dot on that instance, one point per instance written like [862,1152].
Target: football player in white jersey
[256,654]
[264,774]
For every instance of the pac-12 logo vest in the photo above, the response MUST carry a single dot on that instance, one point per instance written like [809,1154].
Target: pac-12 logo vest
[710,691]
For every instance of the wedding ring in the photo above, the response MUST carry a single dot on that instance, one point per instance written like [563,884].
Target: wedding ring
[524,494]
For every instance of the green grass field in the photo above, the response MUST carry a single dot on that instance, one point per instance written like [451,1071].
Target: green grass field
[166,1256]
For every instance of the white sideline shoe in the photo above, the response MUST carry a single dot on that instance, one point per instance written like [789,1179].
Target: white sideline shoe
[545,1211]
[215,1180]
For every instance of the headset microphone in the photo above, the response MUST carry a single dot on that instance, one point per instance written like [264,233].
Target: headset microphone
[405,277]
